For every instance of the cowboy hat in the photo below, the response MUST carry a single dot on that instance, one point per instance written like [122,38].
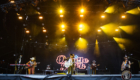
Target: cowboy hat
[33,58]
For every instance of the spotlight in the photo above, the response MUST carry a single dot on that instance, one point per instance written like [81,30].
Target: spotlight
[116,29]
[123,16]
[61,11]
[61,16]
[80,29]
[27,31]
[103,16]
[20,17]
[62,26]
[81,15]
[99,30]
[81,26]
[82,10]
[63,30]
[12,1]
[40,17]
[44,30]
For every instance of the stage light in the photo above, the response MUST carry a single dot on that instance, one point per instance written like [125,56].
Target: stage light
[62,26]
[61,15]
[99,30]
[81,44]
[116,29]
[134,11]
[123,16]
[96,49]
[63,30]
[103,16]
[80,29]
[27,31]
[12,1]
[44,30]
[110,9]
[129,29]
[82,10]
[80,25]
[81,15]
[40,17]
[61,11]
[20,17]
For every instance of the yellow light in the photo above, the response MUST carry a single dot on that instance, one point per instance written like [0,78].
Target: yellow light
[40,17]
[12,1]
[81,44]
[61,11]
[44,30]
[121,42]
[99,30]
[20,17]
[27,31]
[81,26]
[82,10]
[116,29]
[110,9]
[129,29]
[61,15]
[63,29]
[134,11]
[63,26]
[109,30]
[103,16]
[80,29]
[81,15]
[96,49]
[123,16]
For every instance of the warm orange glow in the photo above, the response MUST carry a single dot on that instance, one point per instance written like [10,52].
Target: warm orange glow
[27,31]
[82,10]
[81,15]
[44,30]
[61,15]
[40,17]
[63,26]
[20,17]
[116,29]
[123,16]
[103,16]
[99,30]
[63,29]
[12,1]
[61,11]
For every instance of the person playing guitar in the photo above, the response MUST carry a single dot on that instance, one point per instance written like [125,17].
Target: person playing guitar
[94,66]
[31,65]
[126,64]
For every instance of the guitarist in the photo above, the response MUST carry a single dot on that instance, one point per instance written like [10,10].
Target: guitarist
[31,65]
[94,66]
[126,64]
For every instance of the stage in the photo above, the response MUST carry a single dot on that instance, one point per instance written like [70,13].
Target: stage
[65,77]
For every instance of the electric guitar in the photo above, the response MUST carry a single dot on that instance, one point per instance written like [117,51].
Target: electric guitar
[124,66]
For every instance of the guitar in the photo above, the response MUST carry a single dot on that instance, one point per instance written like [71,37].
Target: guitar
[124,66]
[94,67]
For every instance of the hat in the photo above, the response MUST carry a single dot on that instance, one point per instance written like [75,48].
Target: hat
[125,56]
[33,58]
[93,61]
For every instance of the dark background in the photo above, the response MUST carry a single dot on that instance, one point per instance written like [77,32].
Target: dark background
[14,40]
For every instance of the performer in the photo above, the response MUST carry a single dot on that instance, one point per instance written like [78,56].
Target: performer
[89,69]
[31,65]
[126,64]
[93,66]
[71,62]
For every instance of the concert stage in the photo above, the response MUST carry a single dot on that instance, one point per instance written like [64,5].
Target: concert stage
[65,77]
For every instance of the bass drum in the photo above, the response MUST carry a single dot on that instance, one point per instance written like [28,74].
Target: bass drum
[126,75]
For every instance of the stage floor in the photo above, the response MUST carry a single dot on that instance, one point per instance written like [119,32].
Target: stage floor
[65,77]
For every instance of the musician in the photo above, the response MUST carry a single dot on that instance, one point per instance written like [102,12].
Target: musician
[94,66]
[126,64]
[71,61]
[32,63]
